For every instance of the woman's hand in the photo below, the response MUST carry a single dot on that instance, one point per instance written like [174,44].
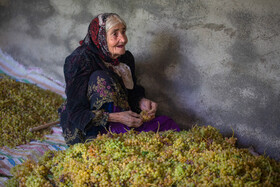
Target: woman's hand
[128,118]
[149,106]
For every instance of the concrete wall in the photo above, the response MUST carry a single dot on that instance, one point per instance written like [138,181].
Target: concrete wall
[207,62]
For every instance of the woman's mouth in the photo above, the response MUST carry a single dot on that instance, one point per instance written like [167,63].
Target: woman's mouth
[120,46]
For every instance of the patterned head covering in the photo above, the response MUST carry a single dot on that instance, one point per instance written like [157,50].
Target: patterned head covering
[96,37]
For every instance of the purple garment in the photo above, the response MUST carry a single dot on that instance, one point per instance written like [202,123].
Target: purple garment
[160,123]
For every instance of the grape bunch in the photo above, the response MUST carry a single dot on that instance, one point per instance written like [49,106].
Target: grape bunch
[24,106]
[200,156]
[145,116]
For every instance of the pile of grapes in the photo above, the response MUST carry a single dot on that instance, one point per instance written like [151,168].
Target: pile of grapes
[198,157]
[24,106]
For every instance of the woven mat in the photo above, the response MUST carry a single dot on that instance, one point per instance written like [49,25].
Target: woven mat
[33,150]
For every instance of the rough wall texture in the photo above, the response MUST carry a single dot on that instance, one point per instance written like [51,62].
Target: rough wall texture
[207,62]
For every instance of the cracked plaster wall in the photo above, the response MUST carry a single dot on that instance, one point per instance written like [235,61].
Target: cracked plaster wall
[206,62]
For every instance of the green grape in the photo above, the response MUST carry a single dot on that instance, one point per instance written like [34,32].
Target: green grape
[198,157]
[24,106]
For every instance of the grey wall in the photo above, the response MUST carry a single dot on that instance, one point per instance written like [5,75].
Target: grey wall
[207,62]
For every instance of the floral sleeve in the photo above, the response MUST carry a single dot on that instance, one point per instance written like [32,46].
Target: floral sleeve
[103,93]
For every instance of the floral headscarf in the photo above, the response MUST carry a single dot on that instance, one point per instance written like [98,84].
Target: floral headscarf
[96,37]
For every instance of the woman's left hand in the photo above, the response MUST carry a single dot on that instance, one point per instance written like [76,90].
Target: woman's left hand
[149,106]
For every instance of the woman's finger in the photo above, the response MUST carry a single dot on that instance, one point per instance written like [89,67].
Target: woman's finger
[153,108]
[145,104]
[133,114]
[150,105]
[137,122]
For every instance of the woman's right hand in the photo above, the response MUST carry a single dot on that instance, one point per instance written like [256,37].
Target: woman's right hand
[128,118]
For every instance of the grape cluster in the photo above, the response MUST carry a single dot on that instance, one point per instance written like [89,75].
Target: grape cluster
[200,156]
[145,116]
[24,106]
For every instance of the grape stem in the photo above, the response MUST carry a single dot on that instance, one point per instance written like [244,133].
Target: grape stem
[44,126]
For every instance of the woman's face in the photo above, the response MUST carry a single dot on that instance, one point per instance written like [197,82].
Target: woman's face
[116,40]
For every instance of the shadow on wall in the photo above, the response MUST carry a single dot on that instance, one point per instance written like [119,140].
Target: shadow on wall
[255,112]
[166,75]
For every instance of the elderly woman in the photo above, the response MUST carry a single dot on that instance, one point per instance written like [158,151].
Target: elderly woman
[101,87]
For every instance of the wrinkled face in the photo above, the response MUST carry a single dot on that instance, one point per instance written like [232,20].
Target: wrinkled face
[116,40]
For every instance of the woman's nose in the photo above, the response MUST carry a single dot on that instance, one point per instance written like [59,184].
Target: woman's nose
[122,38]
